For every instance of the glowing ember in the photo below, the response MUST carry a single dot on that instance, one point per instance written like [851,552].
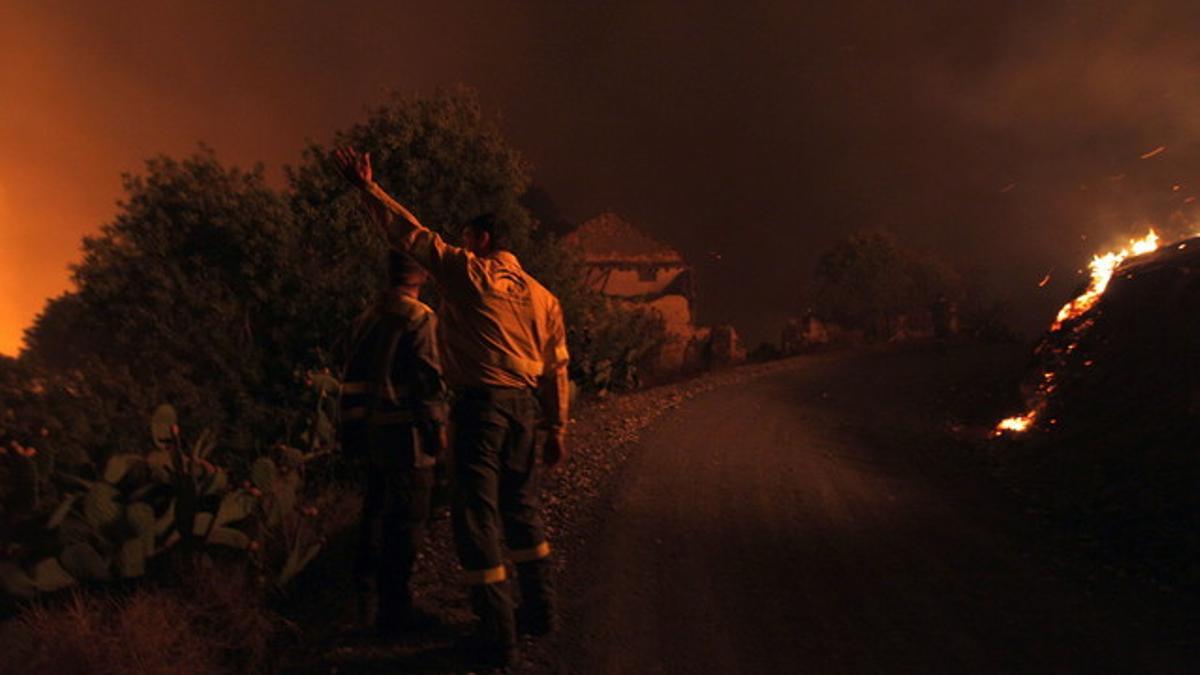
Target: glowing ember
[1018,424]
[1102,267]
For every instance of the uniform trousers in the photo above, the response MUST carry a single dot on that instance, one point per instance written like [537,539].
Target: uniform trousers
[496,506]
[396,508]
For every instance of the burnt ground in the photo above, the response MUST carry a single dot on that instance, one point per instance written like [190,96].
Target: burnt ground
[827,514]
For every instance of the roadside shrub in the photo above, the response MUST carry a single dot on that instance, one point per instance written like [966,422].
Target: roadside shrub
[191,294]
[614,344]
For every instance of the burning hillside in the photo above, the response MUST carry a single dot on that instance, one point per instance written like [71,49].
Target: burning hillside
[1068,348]
[1114,387]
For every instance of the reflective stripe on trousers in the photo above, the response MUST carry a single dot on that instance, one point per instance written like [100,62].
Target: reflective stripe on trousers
[491,575]
[524,555]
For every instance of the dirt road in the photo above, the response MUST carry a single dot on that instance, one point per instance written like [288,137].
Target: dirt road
[818,520]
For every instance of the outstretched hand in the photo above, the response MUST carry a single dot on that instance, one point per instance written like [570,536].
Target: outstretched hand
[354,165]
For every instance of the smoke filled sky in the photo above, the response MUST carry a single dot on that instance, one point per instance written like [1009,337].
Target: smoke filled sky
[1005,138]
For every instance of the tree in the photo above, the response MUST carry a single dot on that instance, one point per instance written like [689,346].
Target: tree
[441,156]
[869,281]
[189,295]
[545,212]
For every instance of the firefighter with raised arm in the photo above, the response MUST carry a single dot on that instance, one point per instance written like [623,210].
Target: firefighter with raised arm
[393,418]
[506,359]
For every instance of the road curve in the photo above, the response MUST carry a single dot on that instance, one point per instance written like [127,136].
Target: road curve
[812,521]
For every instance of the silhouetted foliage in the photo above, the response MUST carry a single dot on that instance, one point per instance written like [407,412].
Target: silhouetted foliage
[192,295]
[613,344]
[869,282]
[545,211]
[442,157]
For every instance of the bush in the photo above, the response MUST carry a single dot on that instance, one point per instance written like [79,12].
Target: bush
[189,295]
[870,282]
[614,344]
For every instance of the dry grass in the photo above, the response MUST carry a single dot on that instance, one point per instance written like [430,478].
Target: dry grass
[228,611]
[148,632]
[216,626]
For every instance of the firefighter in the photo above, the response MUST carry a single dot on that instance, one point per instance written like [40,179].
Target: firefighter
[393,418]
[506,358]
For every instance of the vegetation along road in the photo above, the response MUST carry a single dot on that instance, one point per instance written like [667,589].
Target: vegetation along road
[823,518]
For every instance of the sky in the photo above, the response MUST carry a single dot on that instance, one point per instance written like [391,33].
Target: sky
[1005,138]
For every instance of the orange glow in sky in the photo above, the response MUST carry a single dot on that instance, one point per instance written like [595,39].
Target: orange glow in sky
[89,91]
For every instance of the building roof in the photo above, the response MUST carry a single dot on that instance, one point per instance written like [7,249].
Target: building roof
[607,238]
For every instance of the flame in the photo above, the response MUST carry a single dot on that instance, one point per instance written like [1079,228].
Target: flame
[1018,423]
[1102,268]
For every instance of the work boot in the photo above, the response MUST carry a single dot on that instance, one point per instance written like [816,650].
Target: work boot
[496,634]
[535,615]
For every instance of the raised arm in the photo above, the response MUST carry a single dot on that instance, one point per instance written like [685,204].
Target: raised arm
[398,223]
[447,263]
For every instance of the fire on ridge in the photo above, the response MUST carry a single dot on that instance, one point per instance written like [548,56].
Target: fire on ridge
[1102,268]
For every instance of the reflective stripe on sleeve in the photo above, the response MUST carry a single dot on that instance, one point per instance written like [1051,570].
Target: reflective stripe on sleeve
[561,355]
[491,575]
[538,552]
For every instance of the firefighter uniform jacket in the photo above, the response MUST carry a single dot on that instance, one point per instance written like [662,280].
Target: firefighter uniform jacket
[392,379]
[501,327]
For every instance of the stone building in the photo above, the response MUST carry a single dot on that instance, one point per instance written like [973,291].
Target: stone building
[625,263]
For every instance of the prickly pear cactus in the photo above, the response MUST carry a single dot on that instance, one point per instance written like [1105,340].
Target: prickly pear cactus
[163,424]
[115,526]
